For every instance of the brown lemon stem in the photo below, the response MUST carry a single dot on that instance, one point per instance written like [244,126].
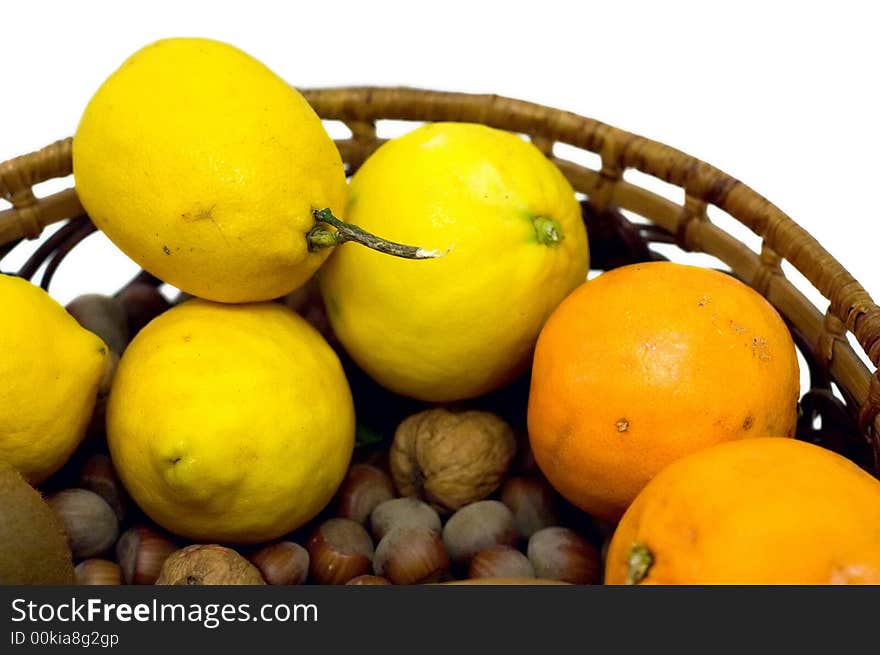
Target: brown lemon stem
[638,563]
[320,237]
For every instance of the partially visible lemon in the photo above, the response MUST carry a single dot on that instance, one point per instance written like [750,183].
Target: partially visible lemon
[463,324]
[204,167]
[230,423]
[51,368]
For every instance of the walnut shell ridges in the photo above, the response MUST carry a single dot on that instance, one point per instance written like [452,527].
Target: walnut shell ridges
[208,564]
[451,459]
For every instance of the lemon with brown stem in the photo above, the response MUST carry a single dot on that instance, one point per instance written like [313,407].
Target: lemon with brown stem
[213,173]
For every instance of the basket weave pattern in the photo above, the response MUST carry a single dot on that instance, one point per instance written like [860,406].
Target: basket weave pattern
[821,337]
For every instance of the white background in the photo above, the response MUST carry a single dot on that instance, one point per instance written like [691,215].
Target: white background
[782,96]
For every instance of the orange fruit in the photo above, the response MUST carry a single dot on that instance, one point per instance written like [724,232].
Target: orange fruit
[650,362]
[755,511]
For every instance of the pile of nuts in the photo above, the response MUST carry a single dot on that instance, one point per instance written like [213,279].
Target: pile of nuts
[450,500]
[400,540]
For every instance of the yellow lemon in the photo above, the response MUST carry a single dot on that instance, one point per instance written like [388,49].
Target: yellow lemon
[230,423]
[51,368]
[204,167]
[463,324]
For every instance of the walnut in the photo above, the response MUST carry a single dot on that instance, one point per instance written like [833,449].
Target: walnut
[201,564]
[450,459]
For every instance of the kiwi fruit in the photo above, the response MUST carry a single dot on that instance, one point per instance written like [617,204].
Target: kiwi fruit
[33,548]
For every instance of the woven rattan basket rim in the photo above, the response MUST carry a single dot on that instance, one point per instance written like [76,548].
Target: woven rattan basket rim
[619,151]
[851,308]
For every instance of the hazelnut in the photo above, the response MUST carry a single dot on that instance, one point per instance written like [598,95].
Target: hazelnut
[476,527]
[558,553]
[103,316]
[363,489]
[283,563]
[142,303]
[339,550]
[208,564]
[99,476]
[451,459]
[141,552]
[402,512]
[411,555]
[368,580]
[98,572]
[500,562]
[89,522]
[532,502]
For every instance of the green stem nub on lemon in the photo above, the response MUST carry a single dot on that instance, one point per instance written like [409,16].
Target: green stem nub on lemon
[547,231]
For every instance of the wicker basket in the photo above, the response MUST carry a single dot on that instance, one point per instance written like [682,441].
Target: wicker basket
[849,419]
